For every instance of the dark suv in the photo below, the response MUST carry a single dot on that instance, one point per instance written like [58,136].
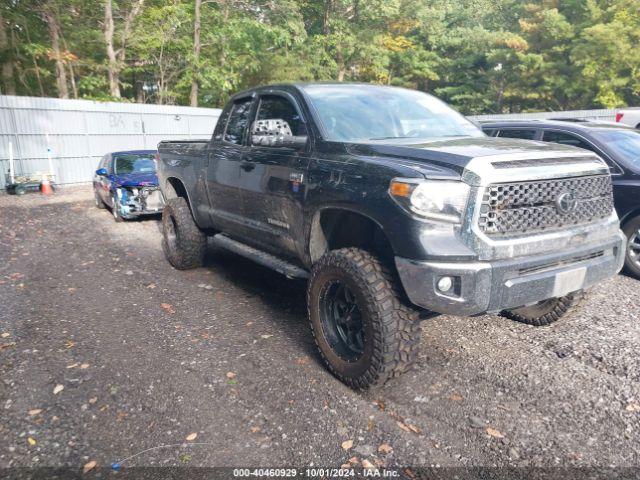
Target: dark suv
[616,144]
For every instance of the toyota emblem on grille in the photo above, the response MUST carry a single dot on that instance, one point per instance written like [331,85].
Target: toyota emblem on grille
[566,202]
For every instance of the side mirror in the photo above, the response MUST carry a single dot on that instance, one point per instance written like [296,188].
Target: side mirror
[102,172]
[275,133]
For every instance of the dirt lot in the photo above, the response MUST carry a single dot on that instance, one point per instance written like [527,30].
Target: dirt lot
[109,354]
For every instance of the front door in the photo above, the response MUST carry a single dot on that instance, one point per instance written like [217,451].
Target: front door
[223,171]
[272,180]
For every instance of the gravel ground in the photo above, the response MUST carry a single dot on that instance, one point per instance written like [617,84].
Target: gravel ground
[108,354]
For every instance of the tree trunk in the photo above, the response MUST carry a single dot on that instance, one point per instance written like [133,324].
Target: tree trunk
[325,16]
[112,68]
[196,54]
[8,81]
[61,74]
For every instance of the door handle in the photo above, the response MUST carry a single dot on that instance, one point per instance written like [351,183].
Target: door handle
[247,166]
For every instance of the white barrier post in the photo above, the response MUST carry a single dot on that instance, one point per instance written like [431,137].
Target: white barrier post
[11,172]
[49,155]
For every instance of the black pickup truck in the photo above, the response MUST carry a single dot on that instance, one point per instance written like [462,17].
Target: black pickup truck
[391,204]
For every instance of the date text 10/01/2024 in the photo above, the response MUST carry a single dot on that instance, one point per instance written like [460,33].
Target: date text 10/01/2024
[315,473]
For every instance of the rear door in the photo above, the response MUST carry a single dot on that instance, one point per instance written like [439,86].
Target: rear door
[575,140]
[272,180]
[227,151]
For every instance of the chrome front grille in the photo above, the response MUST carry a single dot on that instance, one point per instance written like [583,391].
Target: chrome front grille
[510,209]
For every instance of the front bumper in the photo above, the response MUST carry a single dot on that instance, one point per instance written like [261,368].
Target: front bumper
[491,286]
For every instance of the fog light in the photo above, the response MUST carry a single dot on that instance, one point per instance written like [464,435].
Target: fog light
[445,284]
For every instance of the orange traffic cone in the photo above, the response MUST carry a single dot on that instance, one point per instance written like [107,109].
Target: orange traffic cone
[45,186]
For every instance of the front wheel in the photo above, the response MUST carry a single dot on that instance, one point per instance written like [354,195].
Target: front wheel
[364,331]
[98,201]
[547,311]
[183,242]
[632,255]
[115,210]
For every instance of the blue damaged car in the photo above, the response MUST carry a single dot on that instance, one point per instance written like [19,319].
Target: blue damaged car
[127,183]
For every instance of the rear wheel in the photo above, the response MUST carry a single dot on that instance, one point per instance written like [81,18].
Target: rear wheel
[632,255]
[547,311]
[364,331]
[184,244]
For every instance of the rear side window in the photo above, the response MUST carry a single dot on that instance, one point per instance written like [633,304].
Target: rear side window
[517,133]
[279,108]
[566,139]
[490,131]
[238,121]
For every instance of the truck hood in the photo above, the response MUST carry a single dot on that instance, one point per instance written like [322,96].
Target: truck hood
[136,179]
[456,153]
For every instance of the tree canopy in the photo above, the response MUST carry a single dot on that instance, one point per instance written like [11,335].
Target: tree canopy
[482,56]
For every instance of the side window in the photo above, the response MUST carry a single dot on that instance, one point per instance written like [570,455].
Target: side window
[517,133]
[238,121]
[489,131]
[566,139]
[279,108]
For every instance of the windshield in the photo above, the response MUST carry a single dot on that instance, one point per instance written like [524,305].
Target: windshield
[623,144]
[134,163]
[352,113]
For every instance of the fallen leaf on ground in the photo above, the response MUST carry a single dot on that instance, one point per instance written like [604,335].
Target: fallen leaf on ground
[151,285]
[344,466]
[402,426]
[89,466]
[7,345]
[633,407]
[231,375]
[93,400]
[409,473]
[73,365]
[35,411]
[5,334]
[84,366]
[413,428]
[455,397]
[367,464]
[494,433]
[354,460]
[57,389]
[266,336]
[255,429]
[385,448]
[71,290]
[191,437]
[167,307]
[70,343]
[347,444]
[31,441]
[302,361]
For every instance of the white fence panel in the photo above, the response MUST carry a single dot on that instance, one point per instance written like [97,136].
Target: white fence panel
[79,132]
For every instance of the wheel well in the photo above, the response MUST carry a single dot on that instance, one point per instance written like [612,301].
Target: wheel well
[629,216]
[332,229]
[175,188]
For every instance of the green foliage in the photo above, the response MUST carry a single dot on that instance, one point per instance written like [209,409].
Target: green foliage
[479,55]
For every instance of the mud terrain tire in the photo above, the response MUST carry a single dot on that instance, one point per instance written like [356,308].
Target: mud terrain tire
[547,311]
[183,243]
[390,328]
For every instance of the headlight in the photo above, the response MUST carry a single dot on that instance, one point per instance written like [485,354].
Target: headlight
[437,199]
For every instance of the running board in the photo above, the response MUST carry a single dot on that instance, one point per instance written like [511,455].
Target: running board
[258,256]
